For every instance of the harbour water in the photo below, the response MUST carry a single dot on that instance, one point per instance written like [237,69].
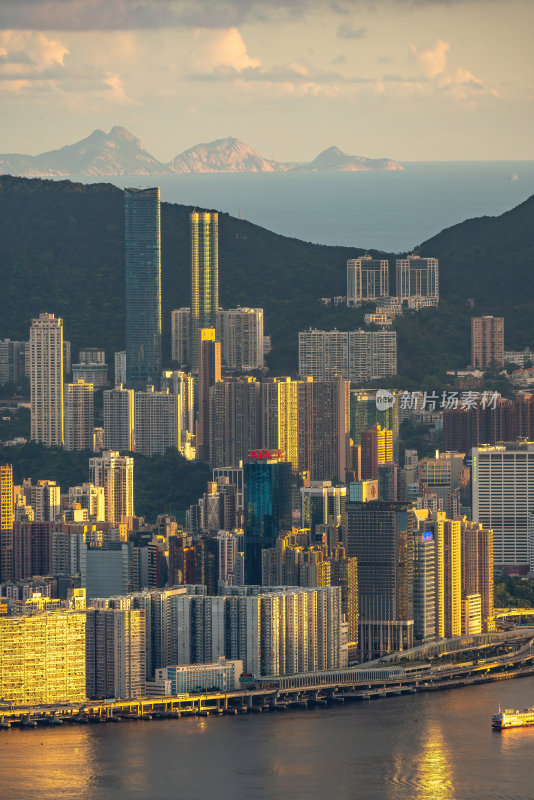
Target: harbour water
[434,746]
[391,211]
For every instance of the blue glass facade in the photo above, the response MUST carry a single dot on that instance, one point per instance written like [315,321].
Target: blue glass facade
[267,510]
[142,242]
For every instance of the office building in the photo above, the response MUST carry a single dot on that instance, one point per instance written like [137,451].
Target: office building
[116,653]
[204,277]
[115,473]
[443,476]
[487,342]
[14,361]
[46,380]
[321,503]
[267,509]
[42,658]
[157,422]
[418,280]
[380,536]
[360,355]
[142,243]
[376,450]
[209,373]
[367,279]
[221,676]
[502,477]
[6,522]
[364,413]
[119,361]
[119,417]
[79,415]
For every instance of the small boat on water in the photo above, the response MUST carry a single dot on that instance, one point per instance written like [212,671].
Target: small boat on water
[514,177]
[508,718]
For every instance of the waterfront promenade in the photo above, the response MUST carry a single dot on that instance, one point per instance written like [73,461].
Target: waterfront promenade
[515,660]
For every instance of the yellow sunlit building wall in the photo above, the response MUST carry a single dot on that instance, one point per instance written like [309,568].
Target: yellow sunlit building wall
[42,658]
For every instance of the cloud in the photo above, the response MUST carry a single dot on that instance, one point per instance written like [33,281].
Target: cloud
[35,50]
[219,49]
[346,31]
[87,15]
[433,61]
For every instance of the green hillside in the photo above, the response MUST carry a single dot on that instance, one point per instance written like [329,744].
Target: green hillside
[61,250]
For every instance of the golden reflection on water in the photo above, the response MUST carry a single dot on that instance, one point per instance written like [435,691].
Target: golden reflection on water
[434,779]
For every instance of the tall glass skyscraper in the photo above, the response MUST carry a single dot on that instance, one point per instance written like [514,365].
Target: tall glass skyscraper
[204,276]
[267,510]
[142,243]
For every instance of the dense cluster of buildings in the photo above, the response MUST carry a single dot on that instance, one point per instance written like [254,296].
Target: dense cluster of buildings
[316,545]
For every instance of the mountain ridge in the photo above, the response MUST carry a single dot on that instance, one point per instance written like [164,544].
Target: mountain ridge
[62,251]
[120,152]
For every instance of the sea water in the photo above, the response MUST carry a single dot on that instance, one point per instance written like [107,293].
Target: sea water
[391,211]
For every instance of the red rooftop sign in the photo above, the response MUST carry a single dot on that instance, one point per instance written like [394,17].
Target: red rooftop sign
[262,455]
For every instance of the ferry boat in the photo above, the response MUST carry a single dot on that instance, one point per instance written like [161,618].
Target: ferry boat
[512,719]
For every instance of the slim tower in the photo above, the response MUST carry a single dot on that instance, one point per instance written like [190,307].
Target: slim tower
[46,380]
[6,523]
[142,243]
[204,276]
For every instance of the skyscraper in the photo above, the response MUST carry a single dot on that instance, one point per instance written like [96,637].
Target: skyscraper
[79,415]
[380,536]
[46,380]
[6,523]
[487,341]
[119,419]
[209,373]
[157,422]
[204,276]
[142,242]
[115,474]
[267,509]
[353,355]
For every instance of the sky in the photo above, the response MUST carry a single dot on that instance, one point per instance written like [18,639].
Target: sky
[404,79]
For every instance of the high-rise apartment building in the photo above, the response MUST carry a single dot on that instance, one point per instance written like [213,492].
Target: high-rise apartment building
[91,498]
[46,380]
[14,361]
[142,242]
[91,367]
[119,361]
[204,276]
[209,373]
[79,415]
[364,413]
[320,503]
[487,342]
[157,422]
[6,523]
[234,421]
[183,385]
[477,569]
[115,473]
[367,279]
[502,479]
[418,278]
[240,333]
[42,658]
[241,337]
[352,355]
[181,336]
[45,499]
[116,653]
[119,417]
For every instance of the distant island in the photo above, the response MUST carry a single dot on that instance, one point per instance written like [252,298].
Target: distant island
[119,152]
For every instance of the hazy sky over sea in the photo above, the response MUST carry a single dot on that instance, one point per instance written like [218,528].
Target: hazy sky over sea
[409,79]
